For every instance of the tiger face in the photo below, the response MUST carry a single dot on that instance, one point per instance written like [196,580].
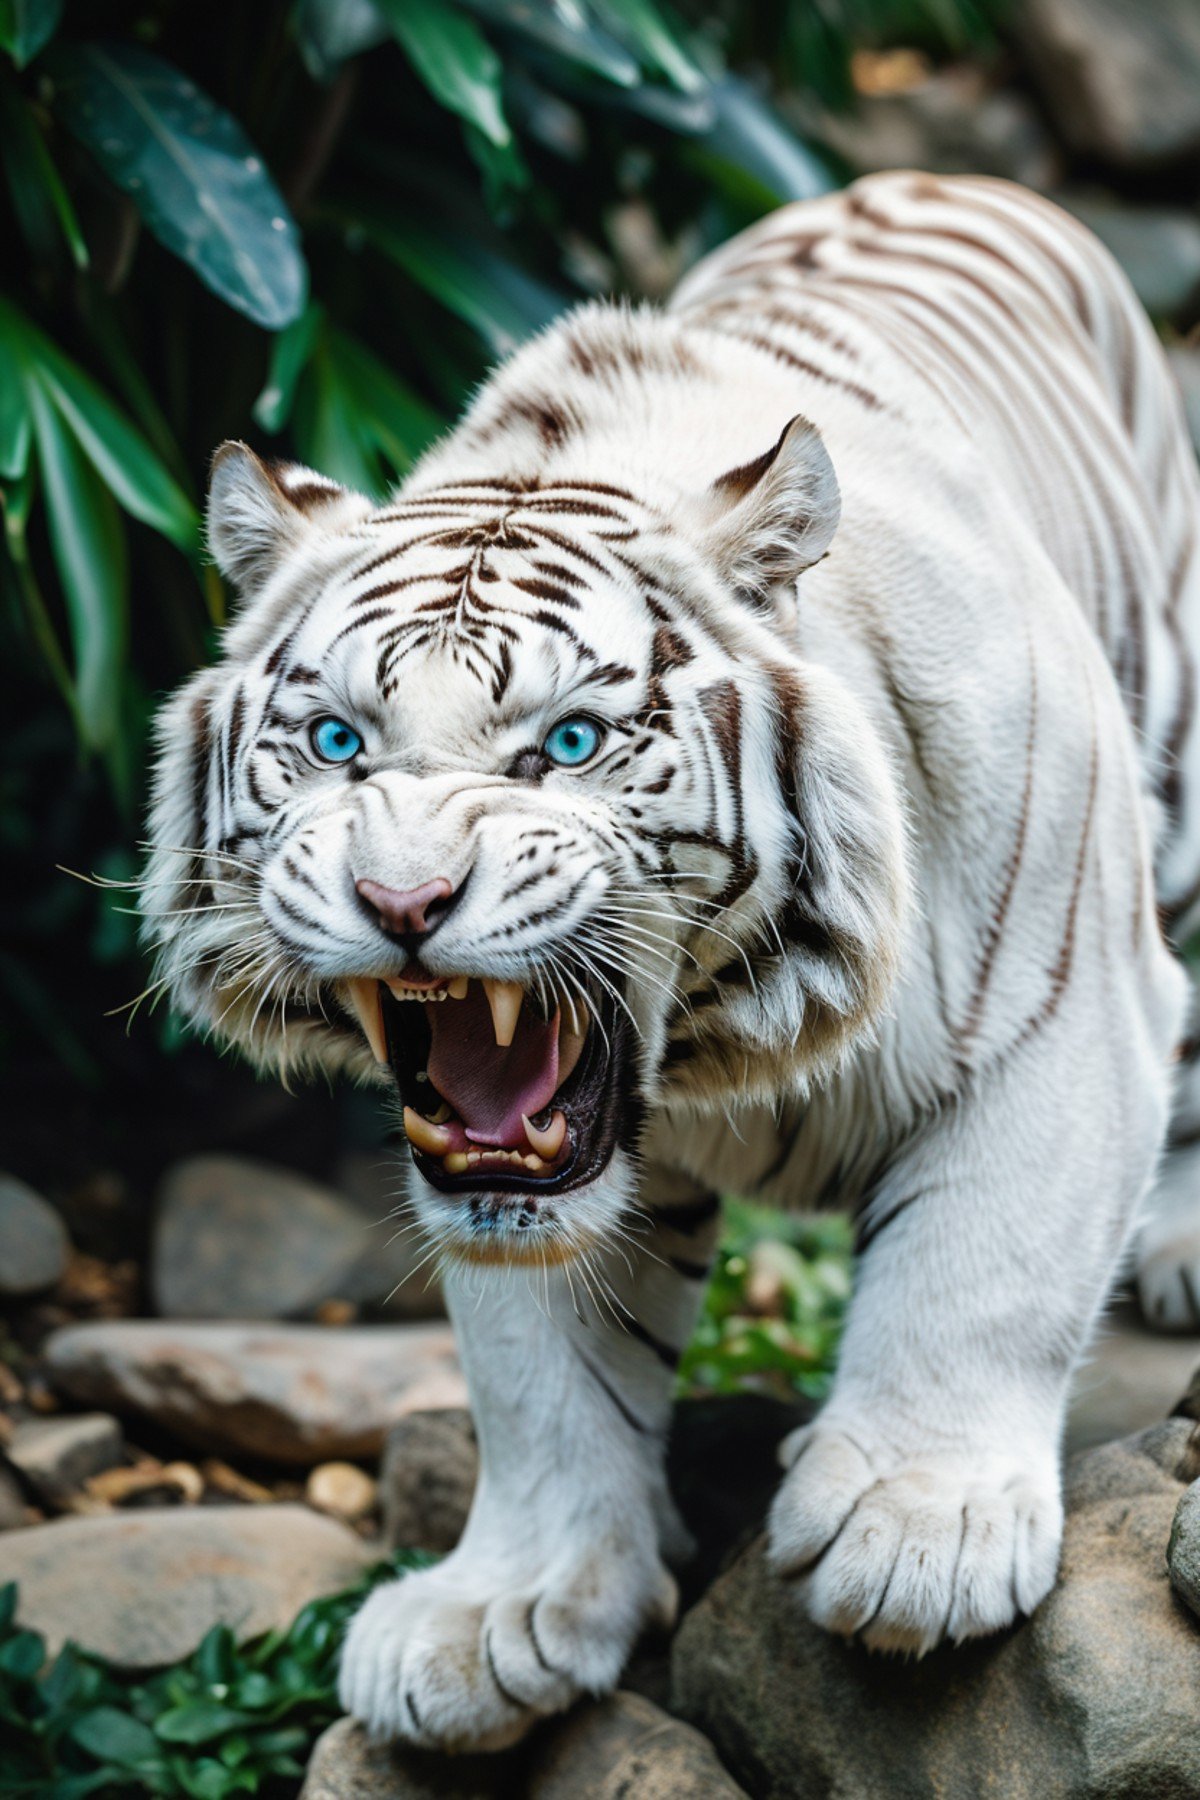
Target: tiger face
[510,793]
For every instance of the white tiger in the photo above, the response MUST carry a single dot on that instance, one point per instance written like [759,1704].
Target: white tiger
[665,835]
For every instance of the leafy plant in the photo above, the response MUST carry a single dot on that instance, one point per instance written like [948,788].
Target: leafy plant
[774,1307]
[229,1719]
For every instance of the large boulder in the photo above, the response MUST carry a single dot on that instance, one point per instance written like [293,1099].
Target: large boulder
[33,1241]
[57,1455]
[240,1239]
[1094,1698]
[143,1588]
[1122,80]
[292,1393]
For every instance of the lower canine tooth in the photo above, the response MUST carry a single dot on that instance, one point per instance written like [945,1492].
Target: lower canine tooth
[364,998]
[455,1163]
[458,987]
[435,1140]
[504,998]
[547,1140]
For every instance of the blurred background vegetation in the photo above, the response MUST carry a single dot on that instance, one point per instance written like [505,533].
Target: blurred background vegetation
[314,225]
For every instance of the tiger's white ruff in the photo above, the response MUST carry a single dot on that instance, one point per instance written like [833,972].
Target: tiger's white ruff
[878,857]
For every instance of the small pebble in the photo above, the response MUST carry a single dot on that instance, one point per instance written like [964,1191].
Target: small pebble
[342,1490]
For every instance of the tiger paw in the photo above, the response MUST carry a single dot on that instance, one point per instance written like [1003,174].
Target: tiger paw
[458,1658]
[905,1551]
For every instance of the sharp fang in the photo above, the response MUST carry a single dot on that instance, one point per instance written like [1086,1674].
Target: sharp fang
[435,1140]
[364,998]
[455,1163]
[547,1141]
[504,998]
[458,987]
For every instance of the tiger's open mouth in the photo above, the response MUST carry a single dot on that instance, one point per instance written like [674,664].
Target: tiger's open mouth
[499,1093]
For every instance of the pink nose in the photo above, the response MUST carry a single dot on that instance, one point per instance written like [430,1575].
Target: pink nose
[406,915]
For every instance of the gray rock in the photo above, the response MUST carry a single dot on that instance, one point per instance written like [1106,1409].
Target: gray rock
[1183,1548]
[616,1749]
[348,1765]
[13,1508]
[1094,1698]
[1122,81]
[1157,246]
[238,1239]
[292,1393]
[57,1455]
[427,1478]
[1131,1377]
[954,120]
[143,1588]
[395,1275]
[626,1746]
[33,1240]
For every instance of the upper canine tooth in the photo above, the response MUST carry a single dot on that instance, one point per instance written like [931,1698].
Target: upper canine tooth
[504,998]
[547,1140]
[458,987]
[435,1140]
[364,998]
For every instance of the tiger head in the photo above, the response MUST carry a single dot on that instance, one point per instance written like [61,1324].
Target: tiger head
[514,793]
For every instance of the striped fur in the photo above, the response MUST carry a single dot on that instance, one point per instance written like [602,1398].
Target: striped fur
[893,812]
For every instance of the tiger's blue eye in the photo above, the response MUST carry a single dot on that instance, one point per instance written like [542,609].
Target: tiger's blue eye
[334,741]
[572,742]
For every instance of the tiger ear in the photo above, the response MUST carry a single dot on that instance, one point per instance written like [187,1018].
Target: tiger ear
[768,520]
[258,511]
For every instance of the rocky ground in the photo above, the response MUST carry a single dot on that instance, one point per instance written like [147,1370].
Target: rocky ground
[162,1475]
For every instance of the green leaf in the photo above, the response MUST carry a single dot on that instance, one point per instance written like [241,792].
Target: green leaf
[453,59]
[502,303]
[400,423]
[40,201]
[193,175]
[8,1605]
[26,26]
[751,137]
[660,43]
[90,555]
[115,1737]
[22,1655]
[329,32]
[565,31]
[116,450]
[198,1721]
[291,353]
[16,418]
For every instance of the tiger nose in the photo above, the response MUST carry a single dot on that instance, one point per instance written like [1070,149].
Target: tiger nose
[412,914]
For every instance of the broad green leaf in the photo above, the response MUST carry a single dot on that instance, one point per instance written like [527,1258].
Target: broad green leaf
[331,437]
[26,26]
[565,31]
[291,353]
[453,59]
[329,32]
[22,1655]
[16,419]
[115,1737]
[661,43]
[116,450]
[193,175]
[399,421]
[90,555]
[198,1721]
[8,1605]
[502,303]
[749,135]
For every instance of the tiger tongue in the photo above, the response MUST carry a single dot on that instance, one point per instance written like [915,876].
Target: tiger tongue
[489,1085]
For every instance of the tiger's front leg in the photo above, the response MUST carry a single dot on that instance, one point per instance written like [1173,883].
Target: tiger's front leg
[562,1563]
[923,1503]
